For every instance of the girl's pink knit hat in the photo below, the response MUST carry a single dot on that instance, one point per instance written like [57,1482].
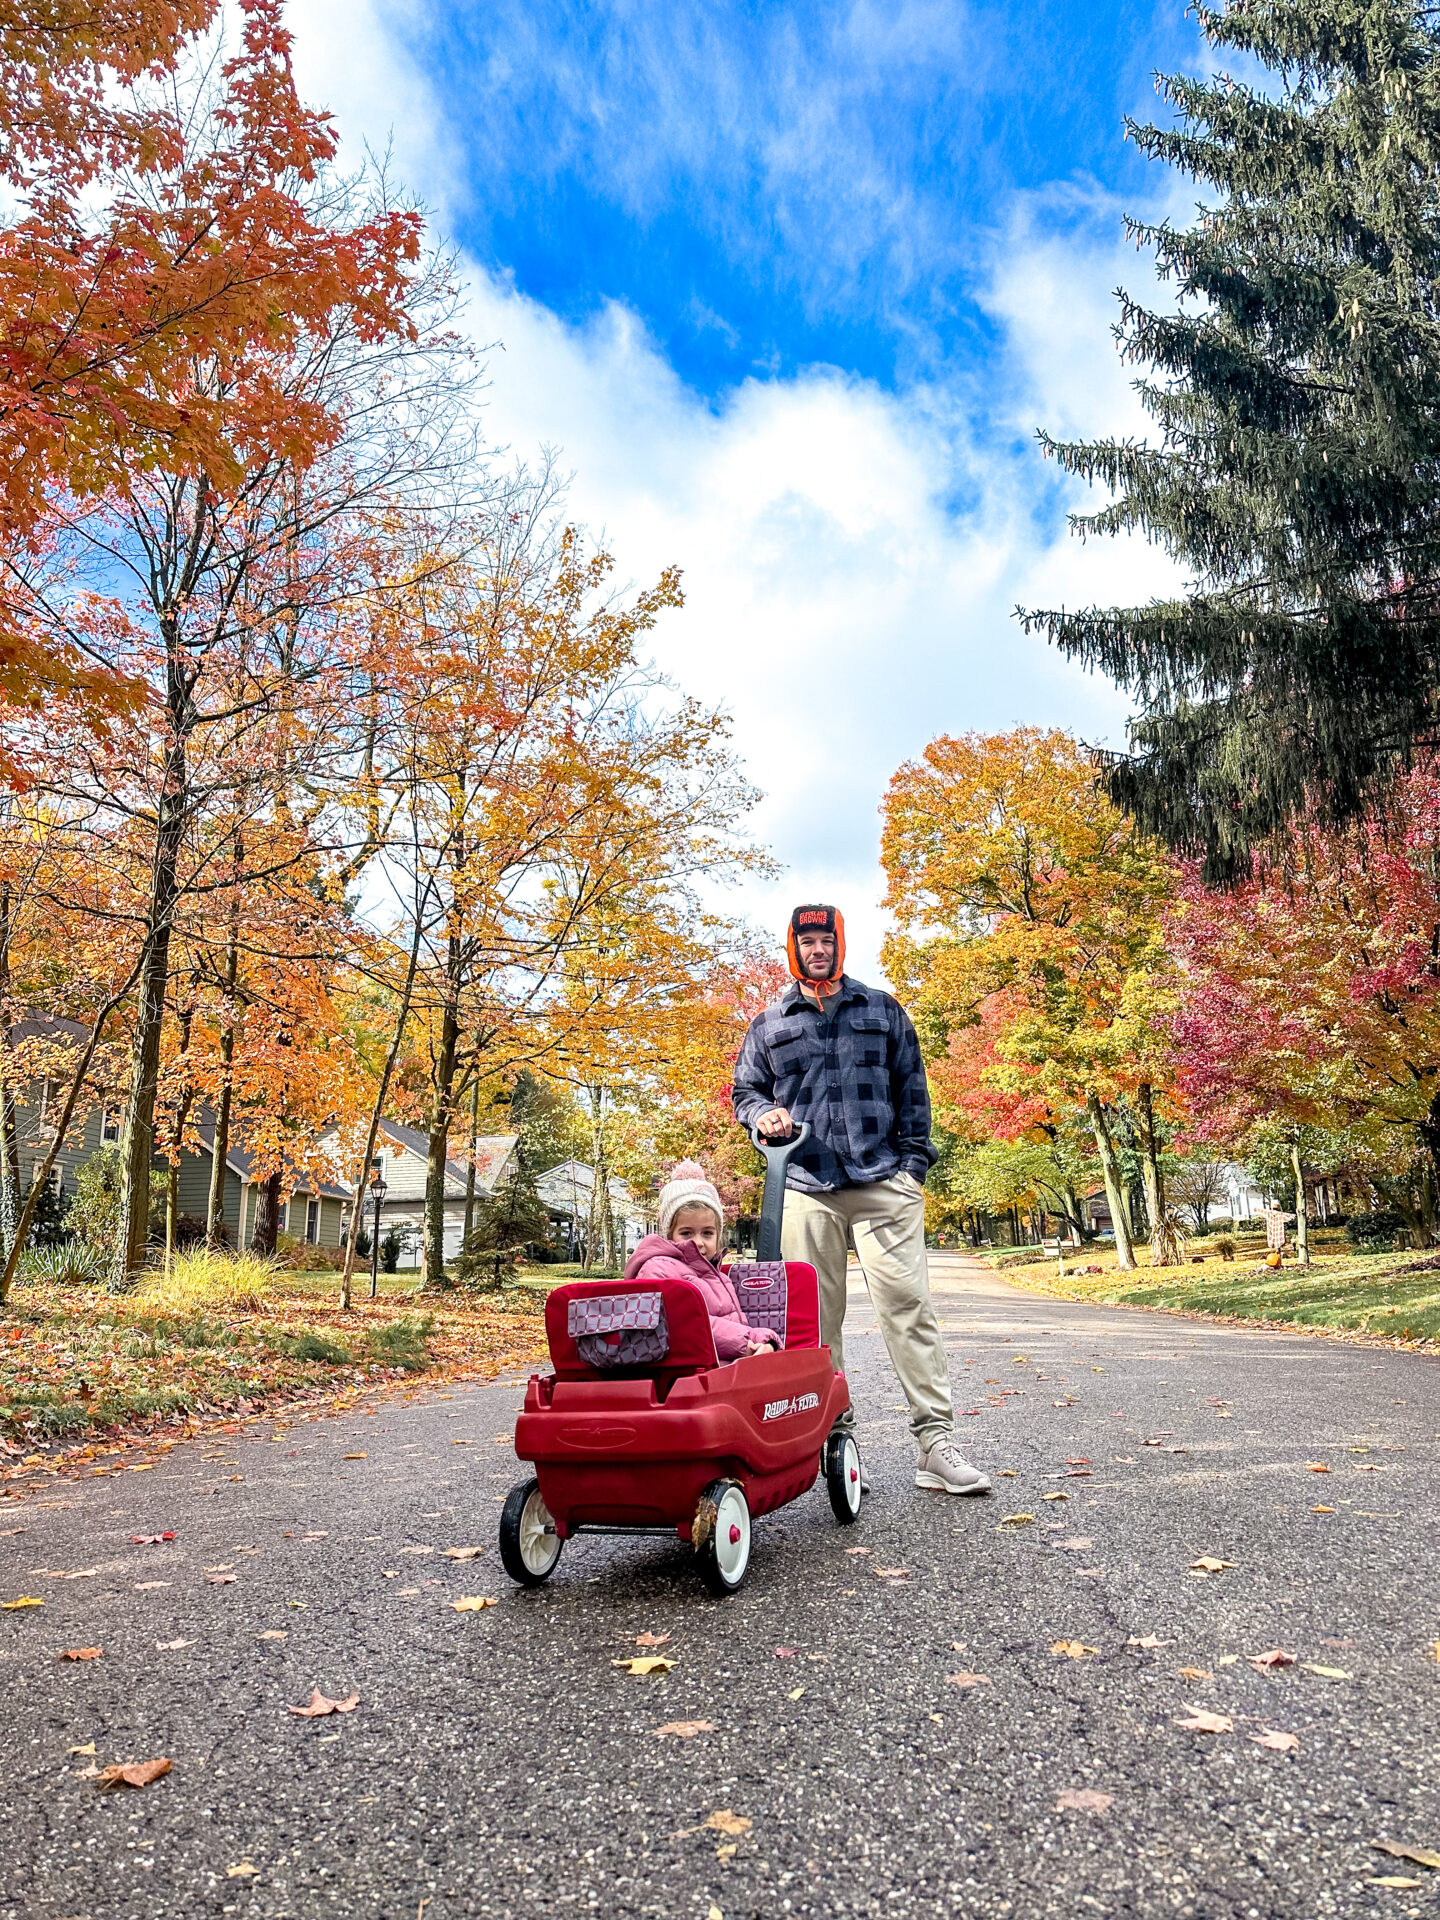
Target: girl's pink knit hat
[686,1187]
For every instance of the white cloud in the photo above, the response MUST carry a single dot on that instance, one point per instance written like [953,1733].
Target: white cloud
[851,555]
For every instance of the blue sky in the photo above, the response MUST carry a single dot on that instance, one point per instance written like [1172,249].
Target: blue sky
[790,287]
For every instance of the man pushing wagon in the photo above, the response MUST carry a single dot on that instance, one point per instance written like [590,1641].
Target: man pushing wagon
[844,1057]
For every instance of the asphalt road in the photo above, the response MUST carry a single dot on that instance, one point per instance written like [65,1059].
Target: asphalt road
[499,1763]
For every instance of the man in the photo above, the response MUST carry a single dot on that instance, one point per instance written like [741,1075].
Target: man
[844,1057]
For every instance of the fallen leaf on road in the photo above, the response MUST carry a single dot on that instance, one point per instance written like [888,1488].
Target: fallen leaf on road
[1276,1657]
[272,1633]
[1146,1640]
[1435,1649]
[1422,1856]
[891,1573]
[135,1773]
[1207,1563]
[1054,1496]
[89,1748]
[685,1729]
[727,1822]
[473,1603]
[150,1586]
[1203,1722]
[25,1600]
[859,1549]
[1393,1880]
[462,1553]
[357,1456]
[1325,1673]
[787,1653]
[1194,1673]
[1084,1800]
[317,1705]
[220,1579]
[1316,1466]
[1072,1649]
[78,1653]
[795,1693]
[420,1550]
[149,1539]
[715,1914]
[1018,1520]
[652,1639]
[1276,1741]
[174,1646]
[651,1663]
[967,1679]
[243,1872]
[1322,1509]
[1080,1544]
[959,1646]
[728,1851]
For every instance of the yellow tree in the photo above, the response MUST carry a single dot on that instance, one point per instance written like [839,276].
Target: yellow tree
[1030,940]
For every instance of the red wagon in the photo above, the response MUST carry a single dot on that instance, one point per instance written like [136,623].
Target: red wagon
[640,1430]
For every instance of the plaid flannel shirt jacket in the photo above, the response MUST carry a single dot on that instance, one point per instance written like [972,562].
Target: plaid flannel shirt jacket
[855,1074]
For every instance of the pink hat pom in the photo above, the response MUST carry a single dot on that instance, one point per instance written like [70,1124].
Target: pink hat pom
[688,1170]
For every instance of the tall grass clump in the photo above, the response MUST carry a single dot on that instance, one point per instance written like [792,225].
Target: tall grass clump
[208,1279]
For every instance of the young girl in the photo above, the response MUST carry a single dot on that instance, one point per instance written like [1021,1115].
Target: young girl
[687,1247]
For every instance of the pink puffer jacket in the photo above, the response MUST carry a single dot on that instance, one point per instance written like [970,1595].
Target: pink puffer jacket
[659,1259]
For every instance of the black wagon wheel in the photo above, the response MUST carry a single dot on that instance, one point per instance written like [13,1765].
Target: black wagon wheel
[529,1544]
[843,1480]
[722,1537]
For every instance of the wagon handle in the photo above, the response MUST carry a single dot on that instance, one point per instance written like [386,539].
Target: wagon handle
[772,1202]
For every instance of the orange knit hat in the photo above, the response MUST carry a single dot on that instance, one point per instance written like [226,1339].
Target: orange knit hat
[815,918]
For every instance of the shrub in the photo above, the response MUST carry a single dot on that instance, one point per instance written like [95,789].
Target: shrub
[1225,1246]
[390,1252]
[1376,1231]
[302,1256]
[403,1343]
[316,1346]
[207,1278]
[75,1263]
[94,1208]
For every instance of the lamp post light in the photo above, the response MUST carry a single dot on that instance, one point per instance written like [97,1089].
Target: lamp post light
[377,1194]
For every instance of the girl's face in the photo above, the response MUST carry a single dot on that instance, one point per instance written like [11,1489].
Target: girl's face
[699,1225]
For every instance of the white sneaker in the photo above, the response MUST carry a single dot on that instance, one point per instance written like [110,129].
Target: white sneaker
[944,1469]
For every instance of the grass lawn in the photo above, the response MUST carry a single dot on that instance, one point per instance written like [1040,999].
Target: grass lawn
[1342,1291]
[76,1361]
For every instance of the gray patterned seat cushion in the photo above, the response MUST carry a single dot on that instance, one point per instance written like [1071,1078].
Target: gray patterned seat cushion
[619,1329]
[763,1292]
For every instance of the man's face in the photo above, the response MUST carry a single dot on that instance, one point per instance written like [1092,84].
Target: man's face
[817,954]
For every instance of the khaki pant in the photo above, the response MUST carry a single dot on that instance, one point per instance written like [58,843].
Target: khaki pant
[887,1221]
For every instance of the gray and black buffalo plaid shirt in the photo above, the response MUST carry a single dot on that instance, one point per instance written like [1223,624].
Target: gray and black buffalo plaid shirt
[855,1074]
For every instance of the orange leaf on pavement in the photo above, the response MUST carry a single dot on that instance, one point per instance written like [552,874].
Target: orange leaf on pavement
[135,1773]
[318,1705]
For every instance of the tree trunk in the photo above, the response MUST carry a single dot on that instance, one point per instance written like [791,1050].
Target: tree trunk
[9,1133]
[600,1229]
[1150,1163]
[267,1216]
[1302,1217]
[438,1147]
[470,1160]
[215,1203]
[138,1151]
[1114,1189]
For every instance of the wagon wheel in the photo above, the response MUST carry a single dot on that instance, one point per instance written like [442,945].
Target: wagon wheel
[721,1533]
[529,1544]
[843,1479]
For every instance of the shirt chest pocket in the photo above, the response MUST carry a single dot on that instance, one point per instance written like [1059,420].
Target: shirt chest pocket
[869,1033]
[792,1046]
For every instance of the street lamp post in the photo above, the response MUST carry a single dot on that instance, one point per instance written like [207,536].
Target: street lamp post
[377,1194]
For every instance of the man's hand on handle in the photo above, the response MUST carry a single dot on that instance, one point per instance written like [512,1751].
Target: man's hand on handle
[776,1124]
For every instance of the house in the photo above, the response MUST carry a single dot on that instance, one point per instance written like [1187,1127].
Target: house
[403,1154]
[313,1211]
[566,1191]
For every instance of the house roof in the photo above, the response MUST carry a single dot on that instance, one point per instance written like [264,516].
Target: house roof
[240,1160]
[492,1151]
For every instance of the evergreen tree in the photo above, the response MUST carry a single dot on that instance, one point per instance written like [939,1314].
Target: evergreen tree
[1296,474]
[506,1222]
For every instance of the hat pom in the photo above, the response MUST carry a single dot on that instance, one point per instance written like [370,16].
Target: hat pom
[689,1170]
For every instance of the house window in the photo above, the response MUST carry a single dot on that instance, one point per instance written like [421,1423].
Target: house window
[110,1127]
[312,1221]
[283,1220]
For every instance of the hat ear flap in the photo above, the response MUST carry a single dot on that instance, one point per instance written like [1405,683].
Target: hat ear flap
[792,953]
[839,966]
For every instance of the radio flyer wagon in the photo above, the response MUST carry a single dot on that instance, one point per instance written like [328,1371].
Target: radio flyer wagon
[640,1430]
